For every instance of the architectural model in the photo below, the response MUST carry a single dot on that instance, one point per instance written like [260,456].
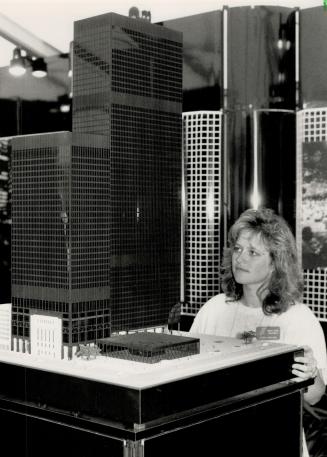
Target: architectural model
[202,146]
[97,212]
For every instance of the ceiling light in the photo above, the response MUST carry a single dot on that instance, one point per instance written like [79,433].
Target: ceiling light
[17,64]
[64,108]
[39,68]
[64,103]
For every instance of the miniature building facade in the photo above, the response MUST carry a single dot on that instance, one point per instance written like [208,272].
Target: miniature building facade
[60,246]
[5,326]
[96,213]
[46,335]
[5,219]
[127,82]
[202,142]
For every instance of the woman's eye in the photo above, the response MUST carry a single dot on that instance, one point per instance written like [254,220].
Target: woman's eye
[237,249]
[253,253]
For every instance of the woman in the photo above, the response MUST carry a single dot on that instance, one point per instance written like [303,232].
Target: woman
[261,281]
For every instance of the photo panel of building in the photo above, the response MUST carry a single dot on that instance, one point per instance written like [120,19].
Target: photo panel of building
[314,204]
[311,228]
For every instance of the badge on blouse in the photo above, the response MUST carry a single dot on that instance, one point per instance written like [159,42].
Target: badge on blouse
[268,333]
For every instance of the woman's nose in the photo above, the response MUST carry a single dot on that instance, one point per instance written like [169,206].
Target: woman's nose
[241,256]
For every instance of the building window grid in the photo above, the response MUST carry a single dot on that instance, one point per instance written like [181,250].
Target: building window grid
[90,320]
[312,127]
[41,210]
[134,132]
[32,169]
[92,102]
[130,67]
[202,143]
[136,128]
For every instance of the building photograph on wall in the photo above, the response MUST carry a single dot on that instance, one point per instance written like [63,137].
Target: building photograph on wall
[314,203]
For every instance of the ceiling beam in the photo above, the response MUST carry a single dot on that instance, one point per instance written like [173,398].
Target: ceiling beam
[24,39]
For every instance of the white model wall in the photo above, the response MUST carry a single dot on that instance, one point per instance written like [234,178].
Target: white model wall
[5,326]
[46,336]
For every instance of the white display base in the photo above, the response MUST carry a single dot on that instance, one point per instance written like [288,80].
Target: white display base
[215,353]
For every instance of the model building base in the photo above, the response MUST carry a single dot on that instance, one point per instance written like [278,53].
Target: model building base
[149,347]
[125,408]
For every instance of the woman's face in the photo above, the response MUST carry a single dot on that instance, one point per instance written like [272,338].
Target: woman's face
[251,261]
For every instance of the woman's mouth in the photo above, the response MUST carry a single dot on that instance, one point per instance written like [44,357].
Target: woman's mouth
[241,269]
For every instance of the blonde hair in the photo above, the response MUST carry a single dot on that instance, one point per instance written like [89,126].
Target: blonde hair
[285,284]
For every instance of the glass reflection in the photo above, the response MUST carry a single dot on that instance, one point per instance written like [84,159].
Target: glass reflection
[276,161]
[239,162]
[261,57]
[202,59]
[260,153]
[313,57]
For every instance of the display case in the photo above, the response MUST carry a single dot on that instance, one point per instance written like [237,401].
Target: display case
[228,397]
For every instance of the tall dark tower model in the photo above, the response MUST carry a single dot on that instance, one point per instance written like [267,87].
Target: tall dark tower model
[96,213]
[127,85]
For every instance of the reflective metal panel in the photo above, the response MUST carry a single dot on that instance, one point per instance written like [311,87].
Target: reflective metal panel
[276,162]
[313,56]
[202,59]
[261,57]
[260,147]
[239,162]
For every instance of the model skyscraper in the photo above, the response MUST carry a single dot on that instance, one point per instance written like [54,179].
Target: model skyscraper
[202,141]
[60,247]
[127,82]
[96,219]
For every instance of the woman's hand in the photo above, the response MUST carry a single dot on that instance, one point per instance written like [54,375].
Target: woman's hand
[305,367]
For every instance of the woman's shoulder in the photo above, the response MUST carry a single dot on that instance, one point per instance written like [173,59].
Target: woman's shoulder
[211,315]
[301,313]
[219,299]
[217,304]
[300,309]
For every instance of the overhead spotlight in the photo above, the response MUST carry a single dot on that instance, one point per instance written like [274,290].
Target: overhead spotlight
[280,44]
[39,68]
[64,103]
[64,108]
[17,64]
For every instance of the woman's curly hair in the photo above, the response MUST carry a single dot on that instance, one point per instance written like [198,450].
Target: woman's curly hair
[285,284]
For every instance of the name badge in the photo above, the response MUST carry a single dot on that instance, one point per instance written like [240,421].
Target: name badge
[268,333]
